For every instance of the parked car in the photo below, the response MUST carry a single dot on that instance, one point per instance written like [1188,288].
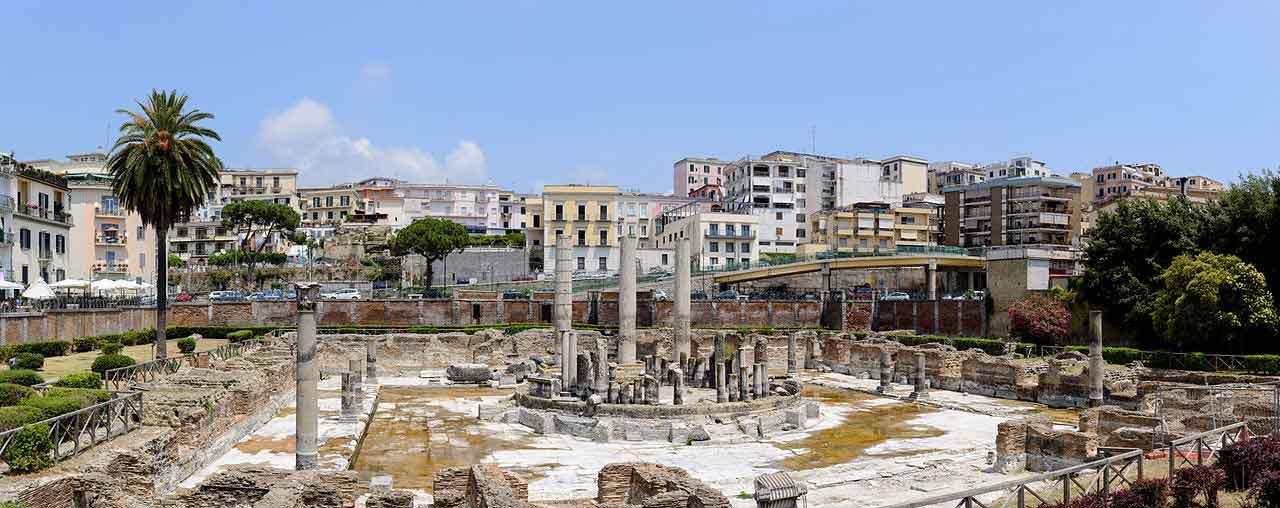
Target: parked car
[697,295]
[896,296]
[184,298]
[512,294]
[225,296]
[342,294]
[659,295]
[727,295]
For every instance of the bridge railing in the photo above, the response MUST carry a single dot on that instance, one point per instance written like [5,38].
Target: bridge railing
[788,259]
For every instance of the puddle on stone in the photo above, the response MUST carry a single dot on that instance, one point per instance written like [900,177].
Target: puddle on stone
[413,435]
[862,428]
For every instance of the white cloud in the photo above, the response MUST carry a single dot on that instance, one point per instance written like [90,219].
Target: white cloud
[308,137]
[375,72]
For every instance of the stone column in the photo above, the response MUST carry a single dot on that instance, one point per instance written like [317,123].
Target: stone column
[564,313]
[886,371]
[680,316]
[931,278]
[613,393]
[744,382]
[731,384]
[922,381]
[371,360]
[810,351]
[677,387]
[307,374]
[348,395]
[757,381]
[651,390]
[791,355]
[627,303]
[628,393]
[353,366]
[1097,366]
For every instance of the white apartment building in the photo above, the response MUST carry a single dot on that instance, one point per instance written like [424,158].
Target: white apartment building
[716,240]
[946,173]
[1016,167]
[692,173]
[36,220]
[875,181]
[475,207]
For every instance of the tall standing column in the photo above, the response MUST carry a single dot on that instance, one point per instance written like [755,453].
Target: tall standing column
[1096,364]
[717,360]
[371,360]
[922,380]
[792,371]
[357,381]
[886,371]
[564,312]
[307,374]
[681,314]
[627,303]
[931,278]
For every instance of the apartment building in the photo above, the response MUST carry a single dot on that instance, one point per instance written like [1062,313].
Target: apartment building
[327,206]
[38,231]
[716,240]
[936,205]
[1016,167]
[587,213]
[948,173]
[203,235]
[513,211]
[109,242]
[475,207]
[870,229]
[884,181]
[1030,210]
[692,173]
[1119,181]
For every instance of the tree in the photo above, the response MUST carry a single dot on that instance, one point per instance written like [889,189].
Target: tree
[256,223]
[163,167]
[1041,319]
[176,261]
[1128,250]
[431,238]
[1209,301]
[1245,221]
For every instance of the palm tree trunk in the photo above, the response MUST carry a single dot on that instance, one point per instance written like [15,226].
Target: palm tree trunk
[162,290]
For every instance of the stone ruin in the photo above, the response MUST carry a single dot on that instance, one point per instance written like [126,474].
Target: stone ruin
[619,485]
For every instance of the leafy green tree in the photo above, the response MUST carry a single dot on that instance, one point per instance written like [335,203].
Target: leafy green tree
[1210,301]
[176,262]
[163,167]
[431,238]
[1245,221]
[1130,248]
[257,223]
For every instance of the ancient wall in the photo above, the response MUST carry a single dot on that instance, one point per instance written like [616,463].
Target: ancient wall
[1032,444]
[69,324]
[957,318]
[645,484]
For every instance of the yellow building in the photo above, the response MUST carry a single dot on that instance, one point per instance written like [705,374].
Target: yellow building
[587,214]
[111,242]
[327,206]
[868,228]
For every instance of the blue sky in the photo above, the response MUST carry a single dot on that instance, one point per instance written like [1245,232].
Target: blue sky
[526,93]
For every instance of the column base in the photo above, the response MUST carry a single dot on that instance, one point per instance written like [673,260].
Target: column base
[304,462]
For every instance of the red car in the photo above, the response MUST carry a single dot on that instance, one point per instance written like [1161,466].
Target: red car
[184,297]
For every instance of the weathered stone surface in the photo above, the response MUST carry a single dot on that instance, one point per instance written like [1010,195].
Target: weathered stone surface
[469,373]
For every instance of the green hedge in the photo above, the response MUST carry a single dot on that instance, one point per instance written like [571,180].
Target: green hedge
[112,348]
[29,361]
[994,347]
[30,450]
[85,344]
[48,348]
[88,380]
[12,417]
[239,335]
[87,396]
[11,394]
[103,363]
[187,345]
[20,377]
[54,406]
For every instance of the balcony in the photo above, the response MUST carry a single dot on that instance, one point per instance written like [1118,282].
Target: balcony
[111,212]
[725,235]
[6,238]
[45,254]
[56,216]
[6,203]
[104,267]
[110,240]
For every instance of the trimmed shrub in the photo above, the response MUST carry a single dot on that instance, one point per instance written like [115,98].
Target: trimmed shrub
[11,504]
[103,363]
[1197,486]
[112,348]
[80,380]
[6,352]
[11,394]
[48,348]
[1120,355]
[85,344]
[187,345]
[12,417]
[29,361]
[1265,492]
[1143,494]
[53,406]
[30,450]
[87,396]
[239,335]
[1243,461]
[20,377]
[1262,364]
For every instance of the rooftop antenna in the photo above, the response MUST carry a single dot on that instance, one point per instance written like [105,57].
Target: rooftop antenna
[813,139]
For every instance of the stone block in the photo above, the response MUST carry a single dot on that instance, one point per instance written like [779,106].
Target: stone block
[469,373]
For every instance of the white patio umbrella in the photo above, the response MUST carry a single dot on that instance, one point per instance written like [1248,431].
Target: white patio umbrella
[102,285]
[127,285]
[39,291]
[70,284]
[6,285]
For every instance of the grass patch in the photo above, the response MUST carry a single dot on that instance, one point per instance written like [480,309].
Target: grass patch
[58,366]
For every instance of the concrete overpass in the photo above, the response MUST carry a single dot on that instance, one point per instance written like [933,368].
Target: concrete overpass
[931,262]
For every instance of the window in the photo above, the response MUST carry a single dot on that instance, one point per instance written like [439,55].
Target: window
[604,264]
[800,217]
[706,169]
[559,212]
[713,247]
[665,260]
[537,221]
[24,241]
[24,275]
[344,200]
[315,202]
[582,211]
[604,212]
[328,201]
[275,182]
[582,263]
[746,230]
[746,247]
[728,246]
[777,215]
[713,230]
[801,203]
[884,243]
[729,230]
[644,230]
[142,261]
[777,231]
[582,237]
[715,261]
[604,238]
[60,244]
[142,233]
[329,214]
[800,233]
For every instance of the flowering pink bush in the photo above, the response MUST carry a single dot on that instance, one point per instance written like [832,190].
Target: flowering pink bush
[1040,319]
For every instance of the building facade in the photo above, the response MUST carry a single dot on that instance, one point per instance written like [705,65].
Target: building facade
[691,173]
[1016,167]
[587,213]
[1014,211]
[717,241]
[475,207]
[944,174]
[869,229]
[1118,181]
[108,242]
[40,223]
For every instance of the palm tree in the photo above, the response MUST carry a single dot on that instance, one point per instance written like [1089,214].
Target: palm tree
[163,167]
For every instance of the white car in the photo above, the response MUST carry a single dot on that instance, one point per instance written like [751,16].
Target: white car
[342,294]
[896,296]
[659,295]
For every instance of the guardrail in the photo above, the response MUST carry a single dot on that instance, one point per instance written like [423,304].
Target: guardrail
[75,432]
[118,379]
[1188,361]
